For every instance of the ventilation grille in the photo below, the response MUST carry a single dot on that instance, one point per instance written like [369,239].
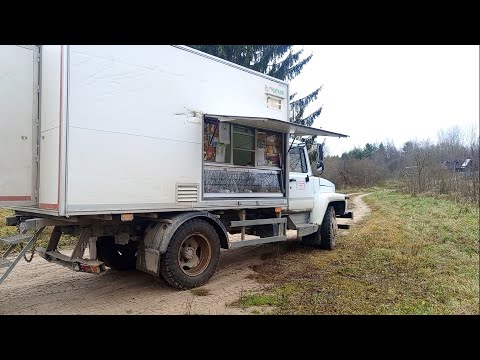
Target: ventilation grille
[187,193]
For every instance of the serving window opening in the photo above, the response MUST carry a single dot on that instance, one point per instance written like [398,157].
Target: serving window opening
[241,161]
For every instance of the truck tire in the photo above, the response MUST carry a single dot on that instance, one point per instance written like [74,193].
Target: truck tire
[116,256]
[328,229]
[324,238]
[192,255]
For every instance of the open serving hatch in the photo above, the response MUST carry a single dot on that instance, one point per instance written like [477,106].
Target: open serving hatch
[277,125]
[246,156]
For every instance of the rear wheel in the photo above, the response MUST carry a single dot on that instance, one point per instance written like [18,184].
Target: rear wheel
[192,255]
[116,256]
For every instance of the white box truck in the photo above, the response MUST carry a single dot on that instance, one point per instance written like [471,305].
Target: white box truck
[152,156]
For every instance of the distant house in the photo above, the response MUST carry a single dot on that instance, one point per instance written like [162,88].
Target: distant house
[457,165]
[467,164]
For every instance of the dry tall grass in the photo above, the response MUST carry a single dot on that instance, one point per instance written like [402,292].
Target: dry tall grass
[413,255]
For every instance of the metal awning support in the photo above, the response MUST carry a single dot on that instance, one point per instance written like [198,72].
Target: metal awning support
[277,125]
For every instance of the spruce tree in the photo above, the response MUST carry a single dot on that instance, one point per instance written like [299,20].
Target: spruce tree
[279,61]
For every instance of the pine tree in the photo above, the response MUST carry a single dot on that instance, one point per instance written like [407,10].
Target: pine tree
[279,61]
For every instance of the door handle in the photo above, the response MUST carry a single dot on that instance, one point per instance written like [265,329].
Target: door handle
[292,180]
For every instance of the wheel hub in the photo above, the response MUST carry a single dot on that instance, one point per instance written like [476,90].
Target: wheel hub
[194,254]
[188,253]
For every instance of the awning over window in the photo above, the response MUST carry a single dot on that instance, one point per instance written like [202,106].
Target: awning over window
[276,125]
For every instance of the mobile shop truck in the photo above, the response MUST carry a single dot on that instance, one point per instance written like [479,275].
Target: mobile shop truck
[151,156]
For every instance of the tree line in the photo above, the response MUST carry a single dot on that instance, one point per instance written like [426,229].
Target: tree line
[418,166]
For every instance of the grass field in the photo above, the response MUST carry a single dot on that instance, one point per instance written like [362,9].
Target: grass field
[412,255]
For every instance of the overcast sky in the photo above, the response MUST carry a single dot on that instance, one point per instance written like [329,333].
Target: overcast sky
[397,92]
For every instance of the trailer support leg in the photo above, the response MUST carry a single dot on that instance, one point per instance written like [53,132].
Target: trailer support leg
[85,235]
[54,239]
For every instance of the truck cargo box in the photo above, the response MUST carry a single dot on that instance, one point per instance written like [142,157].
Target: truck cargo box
[88,129]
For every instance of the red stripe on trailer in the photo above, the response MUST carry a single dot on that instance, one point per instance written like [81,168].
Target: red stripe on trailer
[48,206]
[15,198]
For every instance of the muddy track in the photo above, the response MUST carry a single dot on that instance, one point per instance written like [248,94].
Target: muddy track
[43,288]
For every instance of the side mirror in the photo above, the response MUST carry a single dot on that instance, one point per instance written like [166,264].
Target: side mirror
[320,164]
[319,152]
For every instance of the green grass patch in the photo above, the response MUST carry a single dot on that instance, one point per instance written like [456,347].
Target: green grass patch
[258,300]
[412,255]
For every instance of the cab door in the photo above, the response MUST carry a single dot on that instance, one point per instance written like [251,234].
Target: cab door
[301,186]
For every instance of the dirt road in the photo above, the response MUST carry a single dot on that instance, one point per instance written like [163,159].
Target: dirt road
[43,288]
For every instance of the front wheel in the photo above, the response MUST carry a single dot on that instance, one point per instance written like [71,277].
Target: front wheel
[328,230]
[325,236]
[192,255]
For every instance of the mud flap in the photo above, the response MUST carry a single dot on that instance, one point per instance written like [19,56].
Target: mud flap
[148,260]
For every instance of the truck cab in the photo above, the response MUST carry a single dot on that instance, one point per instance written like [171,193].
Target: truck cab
[313,204]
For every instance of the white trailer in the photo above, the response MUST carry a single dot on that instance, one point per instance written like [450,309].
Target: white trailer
[152,155]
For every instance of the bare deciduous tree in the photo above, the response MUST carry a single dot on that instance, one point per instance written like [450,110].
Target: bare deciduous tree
[422,166]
